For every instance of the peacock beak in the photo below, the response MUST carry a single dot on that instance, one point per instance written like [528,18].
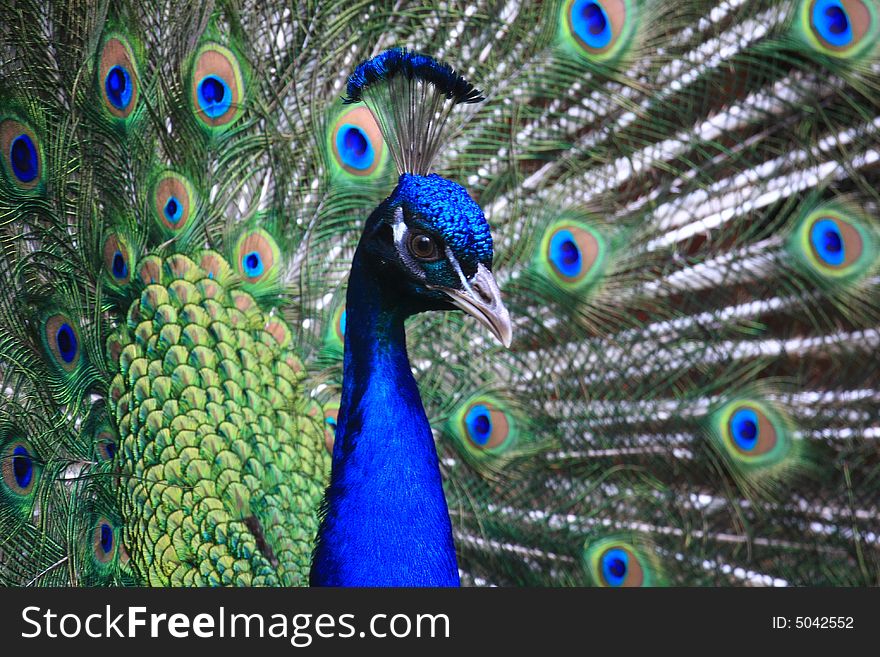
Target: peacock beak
[481,298]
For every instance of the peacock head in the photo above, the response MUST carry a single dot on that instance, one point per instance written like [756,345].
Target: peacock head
[430,240]
[432,244]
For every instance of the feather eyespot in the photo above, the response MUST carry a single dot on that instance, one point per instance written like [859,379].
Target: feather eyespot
[108,450]
[356,142]
[839,28]
[339,324]
[106,445]
[831,22]
[619,564]
[620,567]
[19,469]
[834,242]
[104,541]
[21,154]
[117,259]
[19,476]
[827,242]
[354,147]
[172,210]
[62,339]
[750,431]
[252,264]
[842,29]
[572,254]
[334,333]
[117,76]
[599,28]
[257,256]
[215,97]
[117,85]
[484,426]
[744,429]
[217,86]
[756,435]
[173,202]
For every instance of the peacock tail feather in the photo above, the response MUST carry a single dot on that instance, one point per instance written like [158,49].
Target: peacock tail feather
[684,203]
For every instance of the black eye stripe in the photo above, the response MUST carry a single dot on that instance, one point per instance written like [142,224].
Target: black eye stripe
[385,233]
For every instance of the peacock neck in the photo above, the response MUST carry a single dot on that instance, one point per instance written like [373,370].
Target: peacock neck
[386,522]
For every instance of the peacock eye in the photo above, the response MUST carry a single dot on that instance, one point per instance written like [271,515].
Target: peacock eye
[423,247]
[104,541]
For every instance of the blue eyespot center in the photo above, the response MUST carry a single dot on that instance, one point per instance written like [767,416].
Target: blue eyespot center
[252,264]
[828,242]
[331,421]
[594,18]
[832,23]
[565,254]
[118,86]
[173,209]
[591,24]
[342,323]
[479,424]
[120,267]
[615,564]
[355,142]
[106,538]
[22,467]
[833,243]
[570,253]
[744,428]
[214,96]
[354,147]
[212,90]
[65,338]
[110,449]
[837,20]
[23,156]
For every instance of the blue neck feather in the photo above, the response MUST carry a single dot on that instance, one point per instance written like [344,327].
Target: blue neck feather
[385,522]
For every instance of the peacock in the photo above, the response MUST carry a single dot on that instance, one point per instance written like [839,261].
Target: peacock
[236,238]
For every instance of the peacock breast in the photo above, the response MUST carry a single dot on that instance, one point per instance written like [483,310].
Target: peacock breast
[222,456]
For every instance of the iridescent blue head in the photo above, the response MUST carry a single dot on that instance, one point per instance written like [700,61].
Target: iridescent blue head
[433,242]
[444,208]
[430,235]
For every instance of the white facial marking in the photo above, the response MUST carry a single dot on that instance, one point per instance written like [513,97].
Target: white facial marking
[399,226]
[464,282]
